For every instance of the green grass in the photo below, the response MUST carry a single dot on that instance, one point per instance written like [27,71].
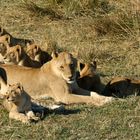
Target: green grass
[118,120]
[105,30]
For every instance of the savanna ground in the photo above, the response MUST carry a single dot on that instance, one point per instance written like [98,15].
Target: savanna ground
[107,31]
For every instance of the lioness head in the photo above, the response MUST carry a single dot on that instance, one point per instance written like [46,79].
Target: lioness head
[13,55]
[64,65]
[14,93]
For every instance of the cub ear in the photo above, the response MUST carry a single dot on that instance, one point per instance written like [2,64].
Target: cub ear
[7,38]
[80,66]
[19,87]
[27,44]
[128,80]
[36,47]
[1,30]
[54,54]
[94,64]
[32,41]
[18,49]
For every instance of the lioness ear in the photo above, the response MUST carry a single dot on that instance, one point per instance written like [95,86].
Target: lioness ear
[54,54]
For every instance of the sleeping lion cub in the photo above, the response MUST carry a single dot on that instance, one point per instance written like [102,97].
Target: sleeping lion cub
[56,79]
[16,55]
[18,103]
[88,78]
[122,87]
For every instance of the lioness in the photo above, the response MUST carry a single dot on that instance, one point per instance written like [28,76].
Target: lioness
[89,79]
[16,55]
[122,87]
[56,78]
[13,40]
[35,53]
[18,103]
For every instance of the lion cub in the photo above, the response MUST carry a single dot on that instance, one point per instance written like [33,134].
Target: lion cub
[18,103]
[5,40]
[16,55]
[35,53]
[88,78]
[13,40]
[4,44]
[122,87]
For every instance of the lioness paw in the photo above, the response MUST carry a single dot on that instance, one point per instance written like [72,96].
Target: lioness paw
[93,94]
[25,121]
[104,100]
[109,99]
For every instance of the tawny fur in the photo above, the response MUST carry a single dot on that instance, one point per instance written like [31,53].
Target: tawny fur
[37,54]
[88,78]
[13,40]
[56,79]
[4,44]
[122,87]
[3,82]
[17,55]
[18,103]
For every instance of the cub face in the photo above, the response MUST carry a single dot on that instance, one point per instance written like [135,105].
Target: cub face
[65,66]
[13,55]
[5,39]
[32,50]
[14,93]
[4,43]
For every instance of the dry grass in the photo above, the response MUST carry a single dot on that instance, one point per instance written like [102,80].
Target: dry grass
[105,30]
